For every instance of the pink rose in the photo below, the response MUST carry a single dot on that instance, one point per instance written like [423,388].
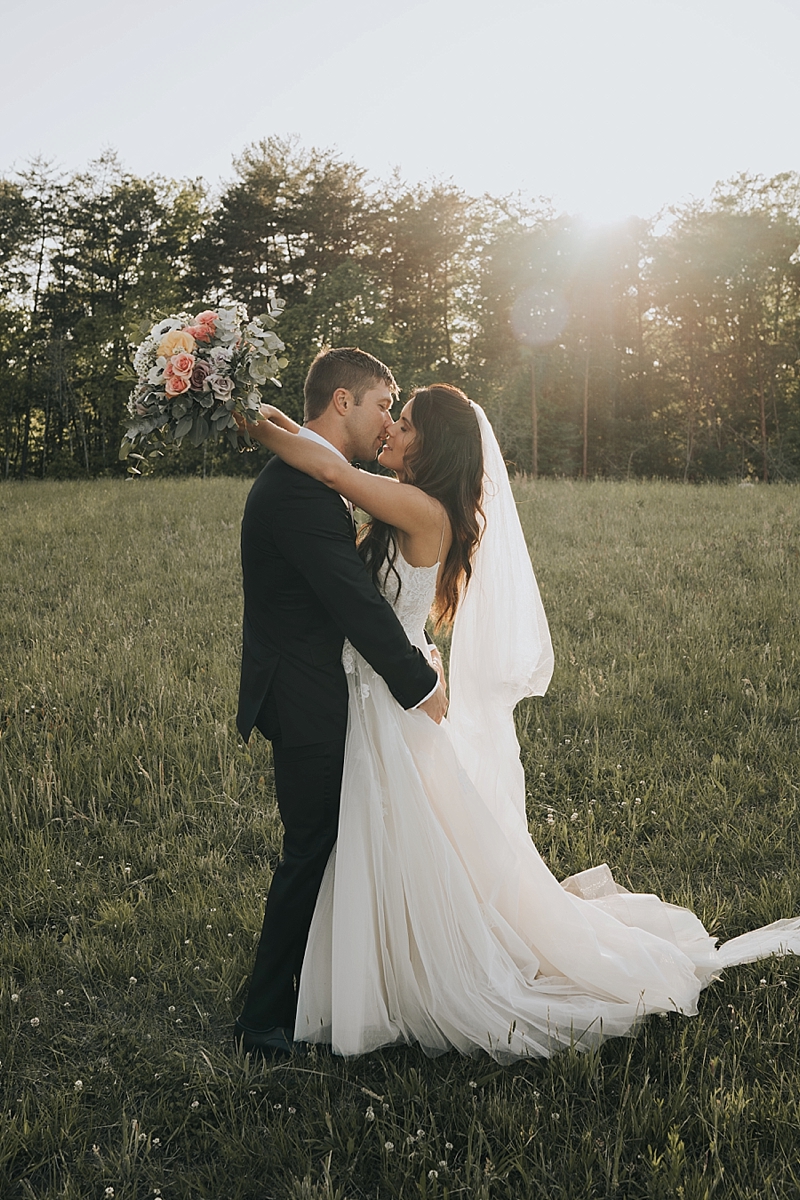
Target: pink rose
[174,385]
[182,365]
[199,375]
[202,330]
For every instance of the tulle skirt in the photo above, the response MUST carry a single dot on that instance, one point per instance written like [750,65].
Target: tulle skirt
[438,923]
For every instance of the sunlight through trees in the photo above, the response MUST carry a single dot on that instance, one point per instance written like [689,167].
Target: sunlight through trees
[666,347]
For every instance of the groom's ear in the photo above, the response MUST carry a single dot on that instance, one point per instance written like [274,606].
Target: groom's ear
[342,401]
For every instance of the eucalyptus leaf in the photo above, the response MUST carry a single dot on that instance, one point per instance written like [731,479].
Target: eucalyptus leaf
[183,427]
[125,449]
[200,430]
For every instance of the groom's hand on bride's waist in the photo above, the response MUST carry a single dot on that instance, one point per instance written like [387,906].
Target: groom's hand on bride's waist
[436,705]
[437,664]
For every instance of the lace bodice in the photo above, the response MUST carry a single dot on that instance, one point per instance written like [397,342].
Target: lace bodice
[414,602]
[412,607]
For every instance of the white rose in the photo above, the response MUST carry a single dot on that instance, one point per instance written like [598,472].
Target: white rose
[221,385]
[220,356]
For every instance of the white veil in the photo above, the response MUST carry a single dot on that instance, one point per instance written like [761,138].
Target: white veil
[501,649]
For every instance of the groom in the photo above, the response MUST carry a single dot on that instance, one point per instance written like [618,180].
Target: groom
[305,590]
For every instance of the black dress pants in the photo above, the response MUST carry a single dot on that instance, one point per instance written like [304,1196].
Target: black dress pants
[308,782]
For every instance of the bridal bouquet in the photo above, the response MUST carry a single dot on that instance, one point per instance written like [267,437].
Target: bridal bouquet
[193,374]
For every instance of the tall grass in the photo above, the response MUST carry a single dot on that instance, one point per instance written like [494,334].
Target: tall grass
[137,838]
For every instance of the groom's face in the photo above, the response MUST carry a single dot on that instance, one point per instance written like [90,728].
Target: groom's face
[368,422]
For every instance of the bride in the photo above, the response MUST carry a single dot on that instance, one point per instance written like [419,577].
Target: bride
[437,921]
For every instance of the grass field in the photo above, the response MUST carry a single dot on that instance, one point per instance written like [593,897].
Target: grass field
[137,836]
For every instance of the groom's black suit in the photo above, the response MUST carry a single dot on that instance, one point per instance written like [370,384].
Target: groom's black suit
[305,590]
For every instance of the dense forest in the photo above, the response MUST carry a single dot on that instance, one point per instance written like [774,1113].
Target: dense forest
[666,347]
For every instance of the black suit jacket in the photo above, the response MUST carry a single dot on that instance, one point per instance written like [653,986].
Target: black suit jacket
[305,590]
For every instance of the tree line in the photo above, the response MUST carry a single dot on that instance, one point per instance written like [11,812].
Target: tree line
[665,347]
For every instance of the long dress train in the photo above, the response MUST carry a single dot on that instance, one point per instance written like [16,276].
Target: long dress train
[439,923]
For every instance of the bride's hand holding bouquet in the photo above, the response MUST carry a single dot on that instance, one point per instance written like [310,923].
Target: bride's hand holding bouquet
[255,425]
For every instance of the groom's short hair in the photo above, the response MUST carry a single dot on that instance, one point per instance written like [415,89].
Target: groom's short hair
[345,367]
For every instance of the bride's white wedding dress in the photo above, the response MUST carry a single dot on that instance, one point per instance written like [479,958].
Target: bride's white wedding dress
[437,921]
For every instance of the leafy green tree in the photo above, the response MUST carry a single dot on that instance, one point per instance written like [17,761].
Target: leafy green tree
[424,249]
[118,265]
[294,223]
[727,294]
[32,223]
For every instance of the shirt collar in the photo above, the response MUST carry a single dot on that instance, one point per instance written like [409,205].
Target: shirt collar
[317,437]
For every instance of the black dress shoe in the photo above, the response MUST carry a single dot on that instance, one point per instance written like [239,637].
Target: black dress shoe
[274,1044]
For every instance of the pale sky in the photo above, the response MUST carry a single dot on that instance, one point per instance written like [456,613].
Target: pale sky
[610,107]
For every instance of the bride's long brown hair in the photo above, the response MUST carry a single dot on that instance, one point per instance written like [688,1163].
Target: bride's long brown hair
[445,460]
